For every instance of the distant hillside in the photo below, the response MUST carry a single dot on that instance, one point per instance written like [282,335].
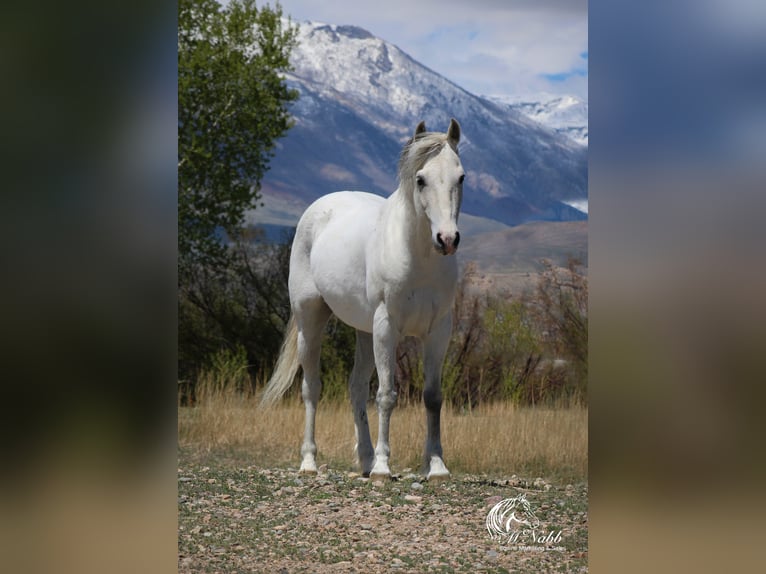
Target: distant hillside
[521,248]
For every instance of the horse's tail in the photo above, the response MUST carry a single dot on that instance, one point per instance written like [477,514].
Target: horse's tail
[286,368]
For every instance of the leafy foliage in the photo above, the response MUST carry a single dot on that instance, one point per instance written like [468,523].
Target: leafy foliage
[527,350]
[243,306]
[232,106]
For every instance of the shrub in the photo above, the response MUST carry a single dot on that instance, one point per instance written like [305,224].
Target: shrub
[527,350]
[246,307]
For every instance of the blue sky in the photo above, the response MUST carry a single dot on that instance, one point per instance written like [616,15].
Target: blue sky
[580,71]
[490,47]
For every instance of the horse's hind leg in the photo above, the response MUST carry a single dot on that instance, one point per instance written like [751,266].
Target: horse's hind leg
[312,317]
[359,391]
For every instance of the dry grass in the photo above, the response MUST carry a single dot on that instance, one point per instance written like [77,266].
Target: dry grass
[499,439]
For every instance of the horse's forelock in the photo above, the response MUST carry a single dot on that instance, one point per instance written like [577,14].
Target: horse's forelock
[418,150]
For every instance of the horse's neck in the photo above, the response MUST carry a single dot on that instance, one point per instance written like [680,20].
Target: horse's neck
[405,234]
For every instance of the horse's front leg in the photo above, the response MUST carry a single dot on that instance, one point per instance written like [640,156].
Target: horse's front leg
[434,350]
[385,338]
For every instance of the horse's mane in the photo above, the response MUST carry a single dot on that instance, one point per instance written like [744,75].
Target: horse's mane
[419,150]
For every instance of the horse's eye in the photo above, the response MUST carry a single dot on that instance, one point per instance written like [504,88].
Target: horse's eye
[421,181]
[460,179]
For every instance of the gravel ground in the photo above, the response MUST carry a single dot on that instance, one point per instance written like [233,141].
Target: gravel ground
[248,519]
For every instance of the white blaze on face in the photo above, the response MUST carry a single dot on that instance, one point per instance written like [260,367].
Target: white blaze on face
[439,189]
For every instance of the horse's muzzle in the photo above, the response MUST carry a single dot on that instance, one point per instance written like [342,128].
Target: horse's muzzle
[448,243]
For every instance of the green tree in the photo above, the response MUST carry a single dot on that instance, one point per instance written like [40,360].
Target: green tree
[232,106]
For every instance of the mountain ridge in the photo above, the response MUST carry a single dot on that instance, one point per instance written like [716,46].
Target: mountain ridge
[361,97]
[565,114]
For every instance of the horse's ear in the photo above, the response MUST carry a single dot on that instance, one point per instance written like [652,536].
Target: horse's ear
[421,129]
[453,132]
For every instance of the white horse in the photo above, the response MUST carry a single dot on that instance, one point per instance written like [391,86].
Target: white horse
[385,267]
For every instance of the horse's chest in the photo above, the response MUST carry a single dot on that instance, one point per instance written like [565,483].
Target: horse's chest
[418,309]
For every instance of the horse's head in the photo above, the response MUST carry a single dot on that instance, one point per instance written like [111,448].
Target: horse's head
[431,169]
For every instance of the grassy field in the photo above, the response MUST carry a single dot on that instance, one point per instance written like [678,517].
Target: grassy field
[243,507]
[498,439]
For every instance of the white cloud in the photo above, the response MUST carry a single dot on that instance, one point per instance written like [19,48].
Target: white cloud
[485,46]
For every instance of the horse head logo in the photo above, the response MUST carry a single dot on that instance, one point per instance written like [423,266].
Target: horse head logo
[509,515]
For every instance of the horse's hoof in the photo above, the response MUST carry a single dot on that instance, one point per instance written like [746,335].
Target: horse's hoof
[308,471]
[438,478]
[384,477]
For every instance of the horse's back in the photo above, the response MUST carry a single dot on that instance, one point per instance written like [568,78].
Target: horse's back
[329,254]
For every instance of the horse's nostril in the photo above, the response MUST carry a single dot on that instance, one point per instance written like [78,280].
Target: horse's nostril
[439,239]
[457,238]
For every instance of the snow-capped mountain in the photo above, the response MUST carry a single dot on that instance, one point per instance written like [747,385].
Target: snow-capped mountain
[568,115]
[361,98]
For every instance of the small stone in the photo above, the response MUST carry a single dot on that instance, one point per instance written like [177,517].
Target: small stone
[377,483]
[354,475]
[416,486]
[413,498]
[492,554]
[323,468]
[185,479]
[365,526]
